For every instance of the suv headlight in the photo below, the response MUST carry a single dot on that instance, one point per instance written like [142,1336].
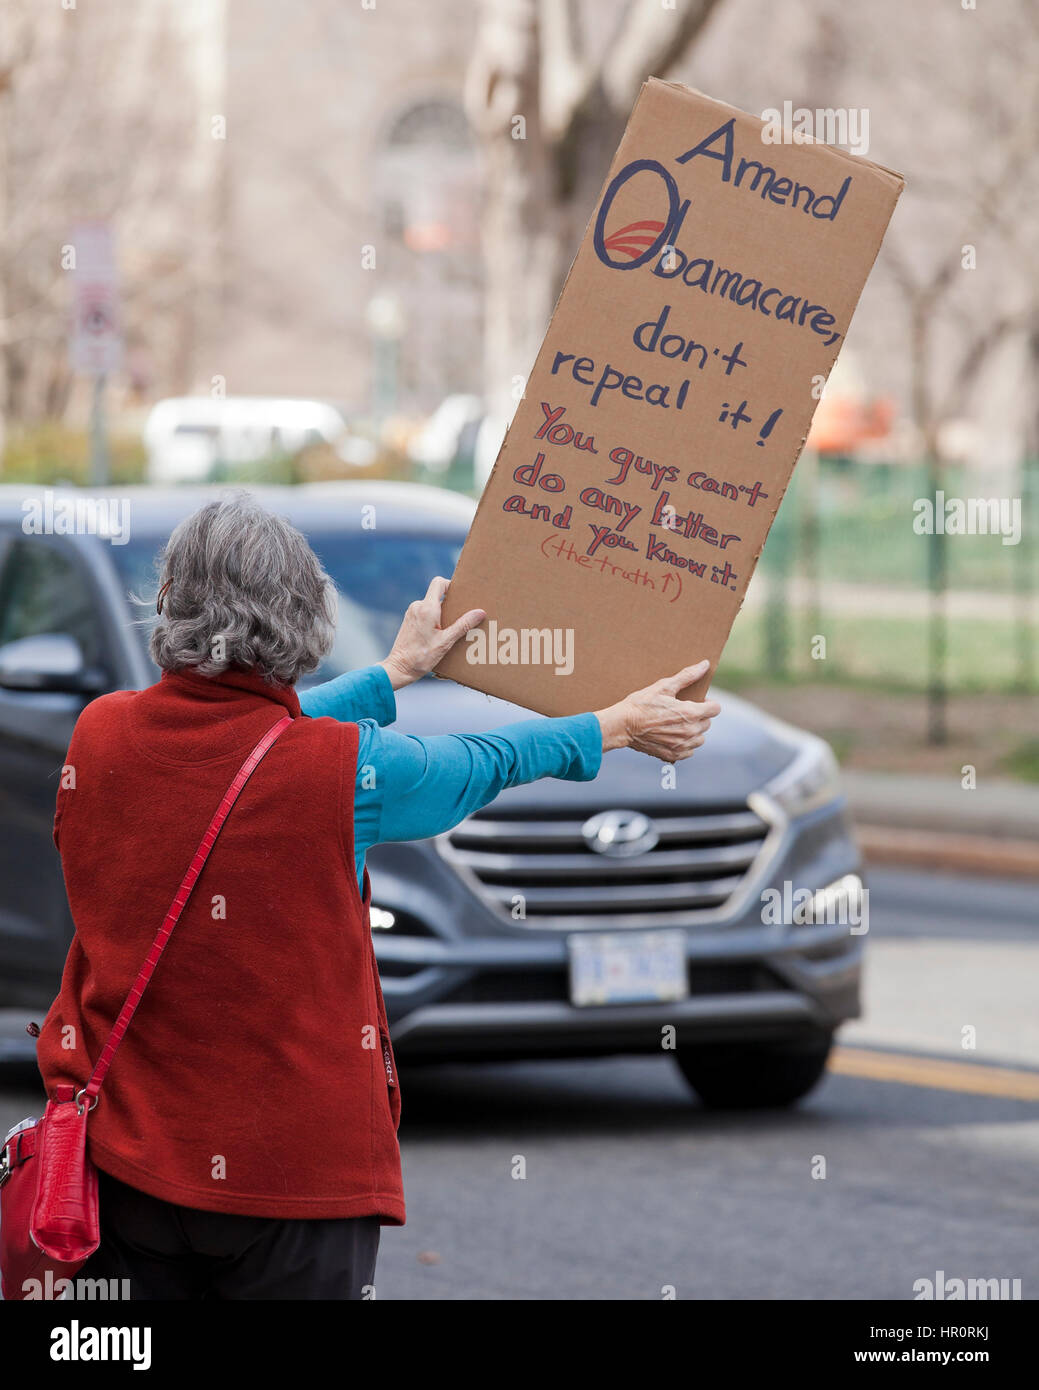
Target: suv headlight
[807,782]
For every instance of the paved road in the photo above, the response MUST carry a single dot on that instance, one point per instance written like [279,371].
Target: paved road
[629,1187]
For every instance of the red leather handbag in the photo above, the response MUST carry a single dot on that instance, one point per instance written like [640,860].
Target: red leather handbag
[48,1185]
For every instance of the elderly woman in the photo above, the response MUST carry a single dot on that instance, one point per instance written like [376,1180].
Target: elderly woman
[247,1135]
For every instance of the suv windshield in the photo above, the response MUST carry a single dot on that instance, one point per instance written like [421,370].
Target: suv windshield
[377,574]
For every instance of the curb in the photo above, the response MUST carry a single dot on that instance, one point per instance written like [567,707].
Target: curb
[997,809]
[937,849]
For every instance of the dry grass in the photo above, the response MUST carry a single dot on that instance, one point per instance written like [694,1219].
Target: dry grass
[996,734]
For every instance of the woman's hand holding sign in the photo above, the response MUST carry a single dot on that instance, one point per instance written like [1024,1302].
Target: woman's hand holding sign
[421,641]
[652,721]
[656,722]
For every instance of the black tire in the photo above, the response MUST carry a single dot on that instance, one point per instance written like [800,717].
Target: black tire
[754,1076]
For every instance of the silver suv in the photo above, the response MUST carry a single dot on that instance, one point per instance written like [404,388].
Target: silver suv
[565,919]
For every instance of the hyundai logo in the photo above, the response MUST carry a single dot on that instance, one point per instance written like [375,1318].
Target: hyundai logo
[620,833]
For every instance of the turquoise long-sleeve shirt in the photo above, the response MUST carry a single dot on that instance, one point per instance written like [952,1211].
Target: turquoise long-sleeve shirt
[408,788]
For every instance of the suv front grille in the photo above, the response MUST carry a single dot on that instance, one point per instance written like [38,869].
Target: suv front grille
[698,863]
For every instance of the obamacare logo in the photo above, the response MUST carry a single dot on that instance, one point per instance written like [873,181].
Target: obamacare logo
[635,243]
[624,244]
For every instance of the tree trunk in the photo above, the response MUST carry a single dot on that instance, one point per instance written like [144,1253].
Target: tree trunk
[520,217]
[548,125]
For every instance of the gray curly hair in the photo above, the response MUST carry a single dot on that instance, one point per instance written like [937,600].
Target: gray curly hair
[241,587]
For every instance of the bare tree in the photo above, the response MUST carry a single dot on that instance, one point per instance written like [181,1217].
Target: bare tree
[953,336]
[549,116]
[98,120]
[16,51]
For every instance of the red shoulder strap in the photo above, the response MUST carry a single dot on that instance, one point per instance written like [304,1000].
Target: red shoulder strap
[164,933]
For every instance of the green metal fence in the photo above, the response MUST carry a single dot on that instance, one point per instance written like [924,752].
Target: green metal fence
[848,591]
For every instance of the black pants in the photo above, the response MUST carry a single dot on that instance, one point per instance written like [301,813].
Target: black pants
[172,1252]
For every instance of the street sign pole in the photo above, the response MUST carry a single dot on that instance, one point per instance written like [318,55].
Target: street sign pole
[98,435]
[96,345]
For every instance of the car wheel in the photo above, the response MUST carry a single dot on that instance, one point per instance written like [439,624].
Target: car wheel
[754,1076]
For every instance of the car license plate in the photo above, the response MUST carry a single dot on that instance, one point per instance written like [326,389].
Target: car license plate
[627,967]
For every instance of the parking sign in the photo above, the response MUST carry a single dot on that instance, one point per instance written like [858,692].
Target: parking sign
[96,340]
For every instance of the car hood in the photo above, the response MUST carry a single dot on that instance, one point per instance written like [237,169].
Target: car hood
[744,749]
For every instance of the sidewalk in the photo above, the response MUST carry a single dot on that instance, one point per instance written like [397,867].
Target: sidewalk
[932,822]
[884,601]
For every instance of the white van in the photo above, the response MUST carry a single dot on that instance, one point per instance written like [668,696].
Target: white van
[187,436]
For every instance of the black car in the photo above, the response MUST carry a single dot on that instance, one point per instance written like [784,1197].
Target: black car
[718,920]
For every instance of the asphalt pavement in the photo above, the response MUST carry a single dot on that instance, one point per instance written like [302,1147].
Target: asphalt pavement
[606,1180]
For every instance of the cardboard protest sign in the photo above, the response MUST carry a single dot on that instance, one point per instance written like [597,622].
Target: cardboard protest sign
[667,407]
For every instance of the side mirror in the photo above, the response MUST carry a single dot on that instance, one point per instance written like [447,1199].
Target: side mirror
[51,661]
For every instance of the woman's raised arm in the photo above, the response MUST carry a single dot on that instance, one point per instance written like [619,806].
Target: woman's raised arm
[425,786]
[419,645]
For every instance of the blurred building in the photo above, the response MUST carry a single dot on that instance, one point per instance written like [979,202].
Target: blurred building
[295,194]
[350,204]
[350,175]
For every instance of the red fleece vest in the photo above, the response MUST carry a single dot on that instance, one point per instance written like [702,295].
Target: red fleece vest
[257,1075]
